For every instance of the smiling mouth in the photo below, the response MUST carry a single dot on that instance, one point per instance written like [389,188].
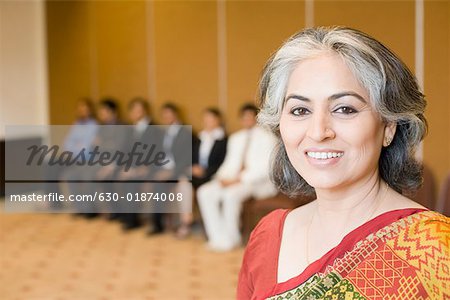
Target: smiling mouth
[324,155]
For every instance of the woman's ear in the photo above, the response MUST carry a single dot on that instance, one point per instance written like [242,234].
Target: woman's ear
[389,132]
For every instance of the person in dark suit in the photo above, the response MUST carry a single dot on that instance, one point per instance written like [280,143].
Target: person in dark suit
[109,137]
[209,148]
[145,132]
[208,153]
[177,146]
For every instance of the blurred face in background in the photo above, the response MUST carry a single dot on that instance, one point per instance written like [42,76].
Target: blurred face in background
[169,117]
[248,119]
[83,110]
[210,121]
[106,115]
[136,113]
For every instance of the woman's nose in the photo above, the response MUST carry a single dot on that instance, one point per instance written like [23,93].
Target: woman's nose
[320,127]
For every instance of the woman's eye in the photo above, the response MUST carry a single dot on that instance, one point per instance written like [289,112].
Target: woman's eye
[346,110]
[300,111]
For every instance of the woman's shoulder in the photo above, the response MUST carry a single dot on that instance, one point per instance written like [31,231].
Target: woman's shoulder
[432,223]
[266,236]
[422,240]
[269,226]
[259,265]
[424,232]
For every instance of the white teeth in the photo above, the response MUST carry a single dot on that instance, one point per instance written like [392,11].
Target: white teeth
[324,155]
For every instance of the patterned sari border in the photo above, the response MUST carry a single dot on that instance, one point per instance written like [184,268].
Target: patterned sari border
[321,282]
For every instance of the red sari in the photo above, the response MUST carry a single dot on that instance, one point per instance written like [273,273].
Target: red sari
[401,254]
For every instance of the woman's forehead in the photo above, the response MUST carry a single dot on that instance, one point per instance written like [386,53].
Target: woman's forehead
[323,76]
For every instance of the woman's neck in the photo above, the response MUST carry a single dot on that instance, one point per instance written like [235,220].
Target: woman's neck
[360,200]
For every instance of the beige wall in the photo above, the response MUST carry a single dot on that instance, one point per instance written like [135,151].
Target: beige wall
[437,86]
[203,53]
[185,56]
[23,65]
[70,58]
[255,29]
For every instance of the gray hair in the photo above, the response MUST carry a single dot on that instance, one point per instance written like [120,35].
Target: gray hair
[393,90]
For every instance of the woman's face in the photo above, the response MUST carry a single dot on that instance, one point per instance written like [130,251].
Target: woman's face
[332,136]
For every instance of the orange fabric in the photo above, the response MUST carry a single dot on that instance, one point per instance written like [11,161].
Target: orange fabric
[260,264]
[258,276]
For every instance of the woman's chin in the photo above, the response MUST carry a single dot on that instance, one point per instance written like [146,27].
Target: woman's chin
[324,183]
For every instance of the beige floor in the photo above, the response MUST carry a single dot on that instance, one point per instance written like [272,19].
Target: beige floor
[59,256]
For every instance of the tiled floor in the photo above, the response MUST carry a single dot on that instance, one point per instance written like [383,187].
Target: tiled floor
[59,256]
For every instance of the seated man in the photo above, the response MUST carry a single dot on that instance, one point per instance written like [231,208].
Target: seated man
[177,145]
[244,174]
[145,132]
[97,178]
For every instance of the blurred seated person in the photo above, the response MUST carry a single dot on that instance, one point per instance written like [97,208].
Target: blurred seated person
[139,132]
[81,136]
[177,146]
[110,138]
[209,148]
[84,129]
[243,174]
[208,153]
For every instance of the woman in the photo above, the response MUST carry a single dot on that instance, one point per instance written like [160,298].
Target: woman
[349,115]
[208,153]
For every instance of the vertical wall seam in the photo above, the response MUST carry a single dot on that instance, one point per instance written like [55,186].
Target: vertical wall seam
[419,54]
[222,70]
[43,51]
[309,13]
[151,50]
[93,52]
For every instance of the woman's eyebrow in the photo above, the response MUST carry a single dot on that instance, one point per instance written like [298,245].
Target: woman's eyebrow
[298,97]
[331,98]
[348,93]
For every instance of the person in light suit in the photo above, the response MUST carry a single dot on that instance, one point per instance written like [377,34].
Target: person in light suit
[243,174]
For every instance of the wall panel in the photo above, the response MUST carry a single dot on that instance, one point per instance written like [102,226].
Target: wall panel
[436,85]
[120,49]
[186,56]
[391,22]
[23,65]
[255,29]
[69,61]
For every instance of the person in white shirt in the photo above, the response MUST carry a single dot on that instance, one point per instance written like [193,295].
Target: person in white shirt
[243,174]
[208,153]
